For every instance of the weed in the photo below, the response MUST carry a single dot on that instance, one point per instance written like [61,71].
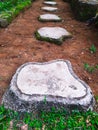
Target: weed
[51,120]
[93,48]
[89,68]
[45,100]
[96,66]
[96,98]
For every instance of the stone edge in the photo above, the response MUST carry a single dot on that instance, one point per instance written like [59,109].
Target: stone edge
[49,3]
[51,20]
[55,10]
[50,62]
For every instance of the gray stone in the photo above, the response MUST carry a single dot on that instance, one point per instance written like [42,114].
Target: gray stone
[50,9]
[3,23]
[93,2]
[41,86]
[49,17]
[84,9]
[50,3]
[53,34]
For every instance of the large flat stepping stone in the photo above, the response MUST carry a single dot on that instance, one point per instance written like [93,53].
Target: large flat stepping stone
[50,3]
[49,17]
[50,9]
[38,86]
[53,34]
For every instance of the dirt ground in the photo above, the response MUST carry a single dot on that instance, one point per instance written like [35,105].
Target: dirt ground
[18,44]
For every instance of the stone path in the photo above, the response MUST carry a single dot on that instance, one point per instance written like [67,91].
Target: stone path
[55,35]
[38,86]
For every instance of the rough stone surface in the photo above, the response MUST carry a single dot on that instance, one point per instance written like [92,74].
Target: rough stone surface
[3,23]
[53,34]
[49,17]
[38,86]
[84,9]
[50,3]
[50,9]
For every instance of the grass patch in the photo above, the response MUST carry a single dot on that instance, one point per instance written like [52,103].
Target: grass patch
[89,68]
[53,120]
[92,48]
[10,9]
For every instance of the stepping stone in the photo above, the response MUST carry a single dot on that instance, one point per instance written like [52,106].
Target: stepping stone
[52,34]
[50,9]
[39,86]
[50,3]
[50,17]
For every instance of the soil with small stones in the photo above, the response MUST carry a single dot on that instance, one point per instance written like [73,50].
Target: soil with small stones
[18,44]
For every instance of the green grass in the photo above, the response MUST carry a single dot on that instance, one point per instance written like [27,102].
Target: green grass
[53,120]
[90,68]
[92,48]
[11,8]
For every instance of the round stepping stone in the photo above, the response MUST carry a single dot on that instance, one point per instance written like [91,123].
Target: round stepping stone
[53,34]
[50,3]
[50,9]
[50,17]
[38,86]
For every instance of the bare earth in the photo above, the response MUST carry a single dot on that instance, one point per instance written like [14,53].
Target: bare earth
[18,44]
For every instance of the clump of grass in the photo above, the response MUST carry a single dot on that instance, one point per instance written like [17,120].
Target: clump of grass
[96,66]
[51,120]
[89,68]
[92,48]
[96,98]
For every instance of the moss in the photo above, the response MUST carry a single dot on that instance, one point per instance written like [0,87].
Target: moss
[58,42]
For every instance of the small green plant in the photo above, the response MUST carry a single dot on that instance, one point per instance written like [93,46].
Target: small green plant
[45,100]
[96,66]
[93,48]
[89,68]
[96,98]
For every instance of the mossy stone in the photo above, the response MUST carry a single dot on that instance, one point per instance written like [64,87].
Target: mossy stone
[84,10]
[52,34]
[3,23]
